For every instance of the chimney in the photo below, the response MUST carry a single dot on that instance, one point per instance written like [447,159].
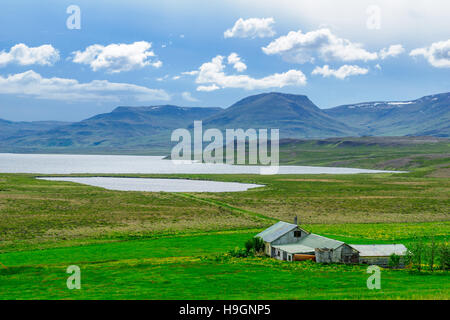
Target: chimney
[295,220]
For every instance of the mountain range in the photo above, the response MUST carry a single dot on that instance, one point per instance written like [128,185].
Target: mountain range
[148,129]
[427,116]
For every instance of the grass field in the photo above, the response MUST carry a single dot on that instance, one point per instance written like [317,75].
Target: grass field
[137,245]
[368,152]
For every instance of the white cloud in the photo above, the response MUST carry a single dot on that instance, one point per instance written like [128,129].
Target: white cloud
[303,47]
[409,20]
[235,60]
[164,78]
[117,57]
[190,73]
[188,97]
[251,28]
[176,77]
[438,54]
[341,73]
[392,51]
[209,88]
[25,56]
[212,74]
[32,84]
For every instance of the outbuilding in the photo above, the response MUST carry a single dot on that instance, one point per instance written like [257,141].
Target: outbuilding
[379,254]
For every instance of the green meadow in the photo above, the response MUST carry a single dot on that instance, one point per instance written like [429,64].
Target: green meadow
[140,245]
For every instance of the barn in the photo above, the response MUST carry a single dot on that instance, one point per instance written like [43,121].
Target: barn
[288,242]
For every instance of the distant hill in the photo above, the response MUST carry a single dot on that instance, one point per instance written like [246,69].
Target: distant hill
[125,128]
[427,116]
[11,128]
[295,115]
[147,130]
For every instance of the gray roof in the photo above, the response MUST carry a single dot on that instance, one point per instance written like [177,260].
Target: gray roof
[315,241]
[379,250]
[277,230]
[309,243]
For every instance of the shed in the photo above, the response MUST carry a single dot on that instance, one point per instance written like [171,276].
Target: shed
[287,251]
[379,254]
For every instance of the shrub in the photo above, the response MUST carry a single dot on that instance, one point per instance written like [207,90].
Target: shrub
[253,247]
[241,253]
[256,244]
[432,254]
[416,253]
[394,261]
[444,256]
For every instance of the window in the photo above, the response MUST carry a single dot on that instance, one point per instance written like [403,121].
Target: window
[297,234]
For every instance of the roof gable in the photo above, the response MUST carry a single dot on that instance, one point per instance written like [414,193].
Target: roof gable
[276,231]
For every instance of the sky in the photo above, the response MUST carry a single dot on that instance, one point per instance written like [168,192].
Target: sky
[69,60]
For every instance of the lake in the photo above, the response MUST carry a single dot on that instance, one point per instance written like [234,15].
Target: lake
[157,185]
[73,164]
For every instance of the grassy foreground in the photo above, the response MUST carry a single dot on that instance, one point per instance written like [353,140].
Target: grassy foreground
[185,267]
[137,245]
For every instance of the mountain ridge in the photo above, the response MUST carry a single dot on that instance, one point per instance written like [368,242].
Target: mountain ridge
[150,127]
[299,116]
[428,115]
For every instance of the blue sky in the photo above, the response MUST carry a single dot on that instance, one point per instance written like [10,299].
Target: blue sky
[135,53]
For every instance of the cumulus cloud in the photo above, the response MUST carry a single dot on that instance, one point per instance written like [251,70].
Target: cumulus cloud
[251,28]
[341,73]
[392,51]
[188,97]
[23,55]
[212,76]
[117,57]
[32,84]
[303,47]
[235,60]
[438,54]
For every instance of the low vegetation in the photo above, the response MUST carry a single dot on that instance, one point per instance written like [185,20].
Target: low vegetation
[140,245]
[387,153]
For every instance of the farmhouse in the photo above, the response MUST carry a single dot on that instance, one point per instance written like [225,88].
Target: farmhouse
[289,242]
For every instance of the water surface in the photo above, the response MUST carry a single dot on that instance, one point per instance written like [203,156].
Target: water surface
[72,164]
[157,185]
